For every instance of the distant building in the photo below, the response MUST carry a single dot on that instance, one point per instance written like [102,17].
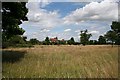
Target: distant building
[53,39]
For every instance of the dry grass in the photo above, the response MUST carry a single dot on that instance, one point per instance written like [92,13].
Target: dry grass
[61,61]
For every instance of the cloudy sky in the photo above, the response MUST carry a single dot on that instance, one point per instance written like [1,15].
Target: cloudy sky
[67,19]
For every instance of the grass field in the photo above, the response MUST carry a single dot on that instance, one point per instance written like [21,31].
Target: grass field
[61,62]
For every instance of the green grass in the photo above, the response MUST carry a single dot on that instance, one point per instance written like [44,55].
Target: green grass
[61,62]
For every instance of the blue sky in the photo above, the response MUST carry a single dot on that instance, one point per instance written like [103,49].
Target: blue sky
[67,19]
[64,8]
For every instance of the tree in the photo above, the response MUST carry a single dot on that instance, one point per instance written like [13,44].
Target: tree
[34,41]
[93,42]
[116,27]
[24,38]
[13,13]
[84,37]
[71,41]
[13,41]
[16,40]
[101,40]
[113,35]
[47,41]
[56,42]
[116,30]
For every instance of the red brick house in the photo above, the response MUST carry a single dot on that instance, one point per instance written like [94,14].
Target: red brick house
[53,39]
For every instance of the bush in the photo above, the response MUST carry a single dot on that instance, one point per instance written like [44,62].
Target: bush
[15,42]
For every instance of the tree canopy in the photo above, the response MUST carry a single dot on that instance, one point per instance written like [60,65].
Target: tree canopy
[84,37]
[113,35]
[101,40]
[13,13]
[47,40]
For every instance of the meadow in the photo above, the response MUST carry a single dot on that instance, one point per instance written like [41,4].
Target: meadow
[61,61]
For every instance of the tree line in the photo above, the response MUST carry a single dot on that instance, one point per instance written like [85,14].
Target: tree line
[111,37]
[13,13]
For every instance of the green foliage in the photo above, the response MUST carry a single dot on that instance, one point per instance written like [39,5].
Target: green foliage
[116,28]
[84,37]
[13,41]
[102,40]
[61,42]
[24,38]
[71,41]
[12,15]
[47,41]
[93,42]
[34,41]
[16,41]
[113,35]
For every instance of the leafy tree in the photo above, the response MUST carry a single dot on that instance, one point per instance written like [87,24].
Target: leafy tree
[57,42]
[16,40]
[101,40]
[93,42]
[34,41]
[12,15]
[24,38]
[61,42]
[116,30]
[47,41]
[116,27]
[84,37]
[71,41]
[113,35]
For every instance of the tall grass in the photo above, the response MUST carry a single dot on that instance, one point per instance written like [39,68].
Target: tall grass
[63,62]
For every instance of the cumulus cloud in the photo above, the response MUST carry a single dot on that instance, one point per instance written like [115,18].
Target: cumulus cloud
[67,30]
[42,17]
[42,21]
[106,10]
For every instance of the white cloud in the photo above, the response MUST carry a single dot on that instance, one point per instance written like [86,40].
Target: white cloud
[45,30]
[104,11]
[42,17]
[67,30]
[69,0]
[94,32]
[42,3]
[41,20]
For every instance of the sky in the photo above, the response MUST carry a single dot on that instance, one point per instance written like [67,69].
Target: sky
[66,19]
